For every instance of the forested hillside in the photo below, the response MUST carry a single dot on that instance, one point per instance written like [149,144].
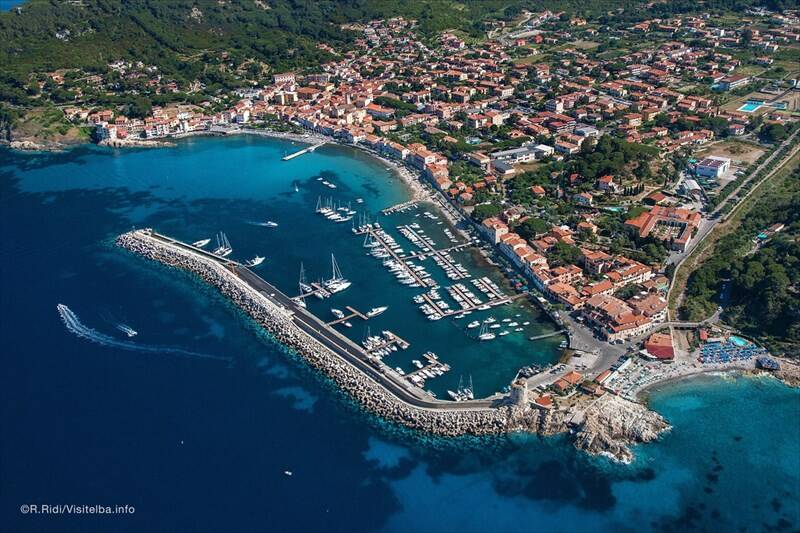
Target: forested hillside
[178,37]
[758,287]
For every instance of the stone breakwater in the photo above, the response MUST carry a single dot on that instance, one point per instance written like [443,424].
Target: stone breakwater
[278,323]
[604,426]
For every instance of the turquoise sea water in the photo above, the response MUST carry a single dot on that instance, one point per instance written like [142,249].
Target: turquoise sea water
[199,445]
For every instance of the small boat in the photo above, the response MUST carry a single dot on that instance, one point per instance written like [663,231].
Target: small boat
[270,224]
[337,313]
[223,248]
[348,325]
[201,243]
[296,188]
[287,473]
[504,333]
[473,324]
[517,329]
[127,330]
[375,311]
[257,260]
[359,200]
[485,334]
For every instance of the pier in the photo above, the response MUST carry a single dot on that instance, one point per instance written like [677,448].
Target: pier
[316,290]
[400,259]
[548,335]
[422,255]
[430,369]
[389,339]
[354,313]
[399,207]
[447,263]
[306,150]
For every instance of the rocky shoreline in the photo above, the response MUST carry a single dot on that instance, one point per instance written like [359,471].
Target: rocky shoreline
[605,426]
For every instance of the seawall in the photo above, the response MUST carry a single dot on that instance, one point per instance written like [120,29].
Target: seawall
[279,323]
[605,426]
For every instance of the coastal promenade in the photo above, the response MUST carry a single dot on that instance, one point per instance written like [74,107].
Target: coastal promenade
[322,333]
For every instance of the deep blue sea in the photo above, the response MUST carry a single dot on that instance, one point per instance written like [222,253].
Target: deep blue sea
[198,444]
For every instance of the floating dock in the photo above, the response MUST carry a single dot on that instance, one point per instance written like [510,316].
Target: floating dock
[354,313]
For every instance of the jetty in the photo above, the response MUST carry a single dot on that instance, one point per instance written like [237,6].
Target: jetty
[548,335]
[399,207]
[354,313]
[306,150]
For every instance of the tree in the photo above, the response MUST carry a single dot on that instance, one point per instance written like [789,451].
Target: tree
[484,211]
[775,132]
[532,227]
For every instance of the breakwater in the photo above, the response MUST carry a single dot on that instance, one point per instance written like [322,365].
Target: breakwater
[604,426]
[440,418]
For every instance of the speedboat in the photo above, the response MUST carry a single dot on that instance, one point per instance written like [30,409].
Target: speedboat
[257,260]
[127,330]
[270,224]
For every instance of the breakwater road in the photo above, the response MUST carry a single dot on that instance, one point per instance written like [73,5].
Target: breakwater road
[350,351]
[377,389]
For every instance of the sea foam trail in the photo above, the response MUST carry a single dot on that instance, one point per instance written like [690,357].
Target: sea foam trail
[78,328]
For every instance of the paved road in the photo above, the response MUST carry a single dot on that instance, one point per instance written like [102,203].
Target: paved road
[334,341]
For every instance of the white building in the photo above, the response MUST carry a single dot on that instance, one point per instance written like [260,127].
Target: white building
[713,167]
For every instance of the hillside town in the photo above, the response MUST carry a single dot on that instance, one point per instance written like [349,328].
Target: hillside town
[593,169]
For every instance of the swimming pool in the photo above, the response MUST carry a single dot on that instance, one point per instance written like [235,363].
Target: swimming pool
[751,105]
[738,341]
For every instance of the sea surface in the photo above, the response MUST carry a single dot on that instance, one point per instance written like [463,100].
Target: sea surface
[202,424]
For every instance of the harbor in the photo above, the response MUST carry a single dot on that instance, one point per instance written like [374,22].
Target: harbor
[303,240]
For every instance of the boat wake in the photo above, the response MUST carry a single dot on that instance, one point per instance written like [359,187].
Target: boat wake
[79,329]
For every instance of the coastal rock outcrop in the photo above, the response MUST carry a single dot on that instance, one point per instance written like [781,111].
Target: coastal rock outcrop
[611,423]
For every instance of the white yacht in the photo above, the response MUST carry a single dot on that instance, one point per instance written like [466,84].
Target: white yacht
[375,311]
[257,260]
[201,243]
[223,248]
[473,324]
[485,334]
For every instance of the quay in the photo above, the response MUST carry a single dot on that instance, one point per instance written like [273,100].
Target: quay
[306,150]
[293,325]
[354,313]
